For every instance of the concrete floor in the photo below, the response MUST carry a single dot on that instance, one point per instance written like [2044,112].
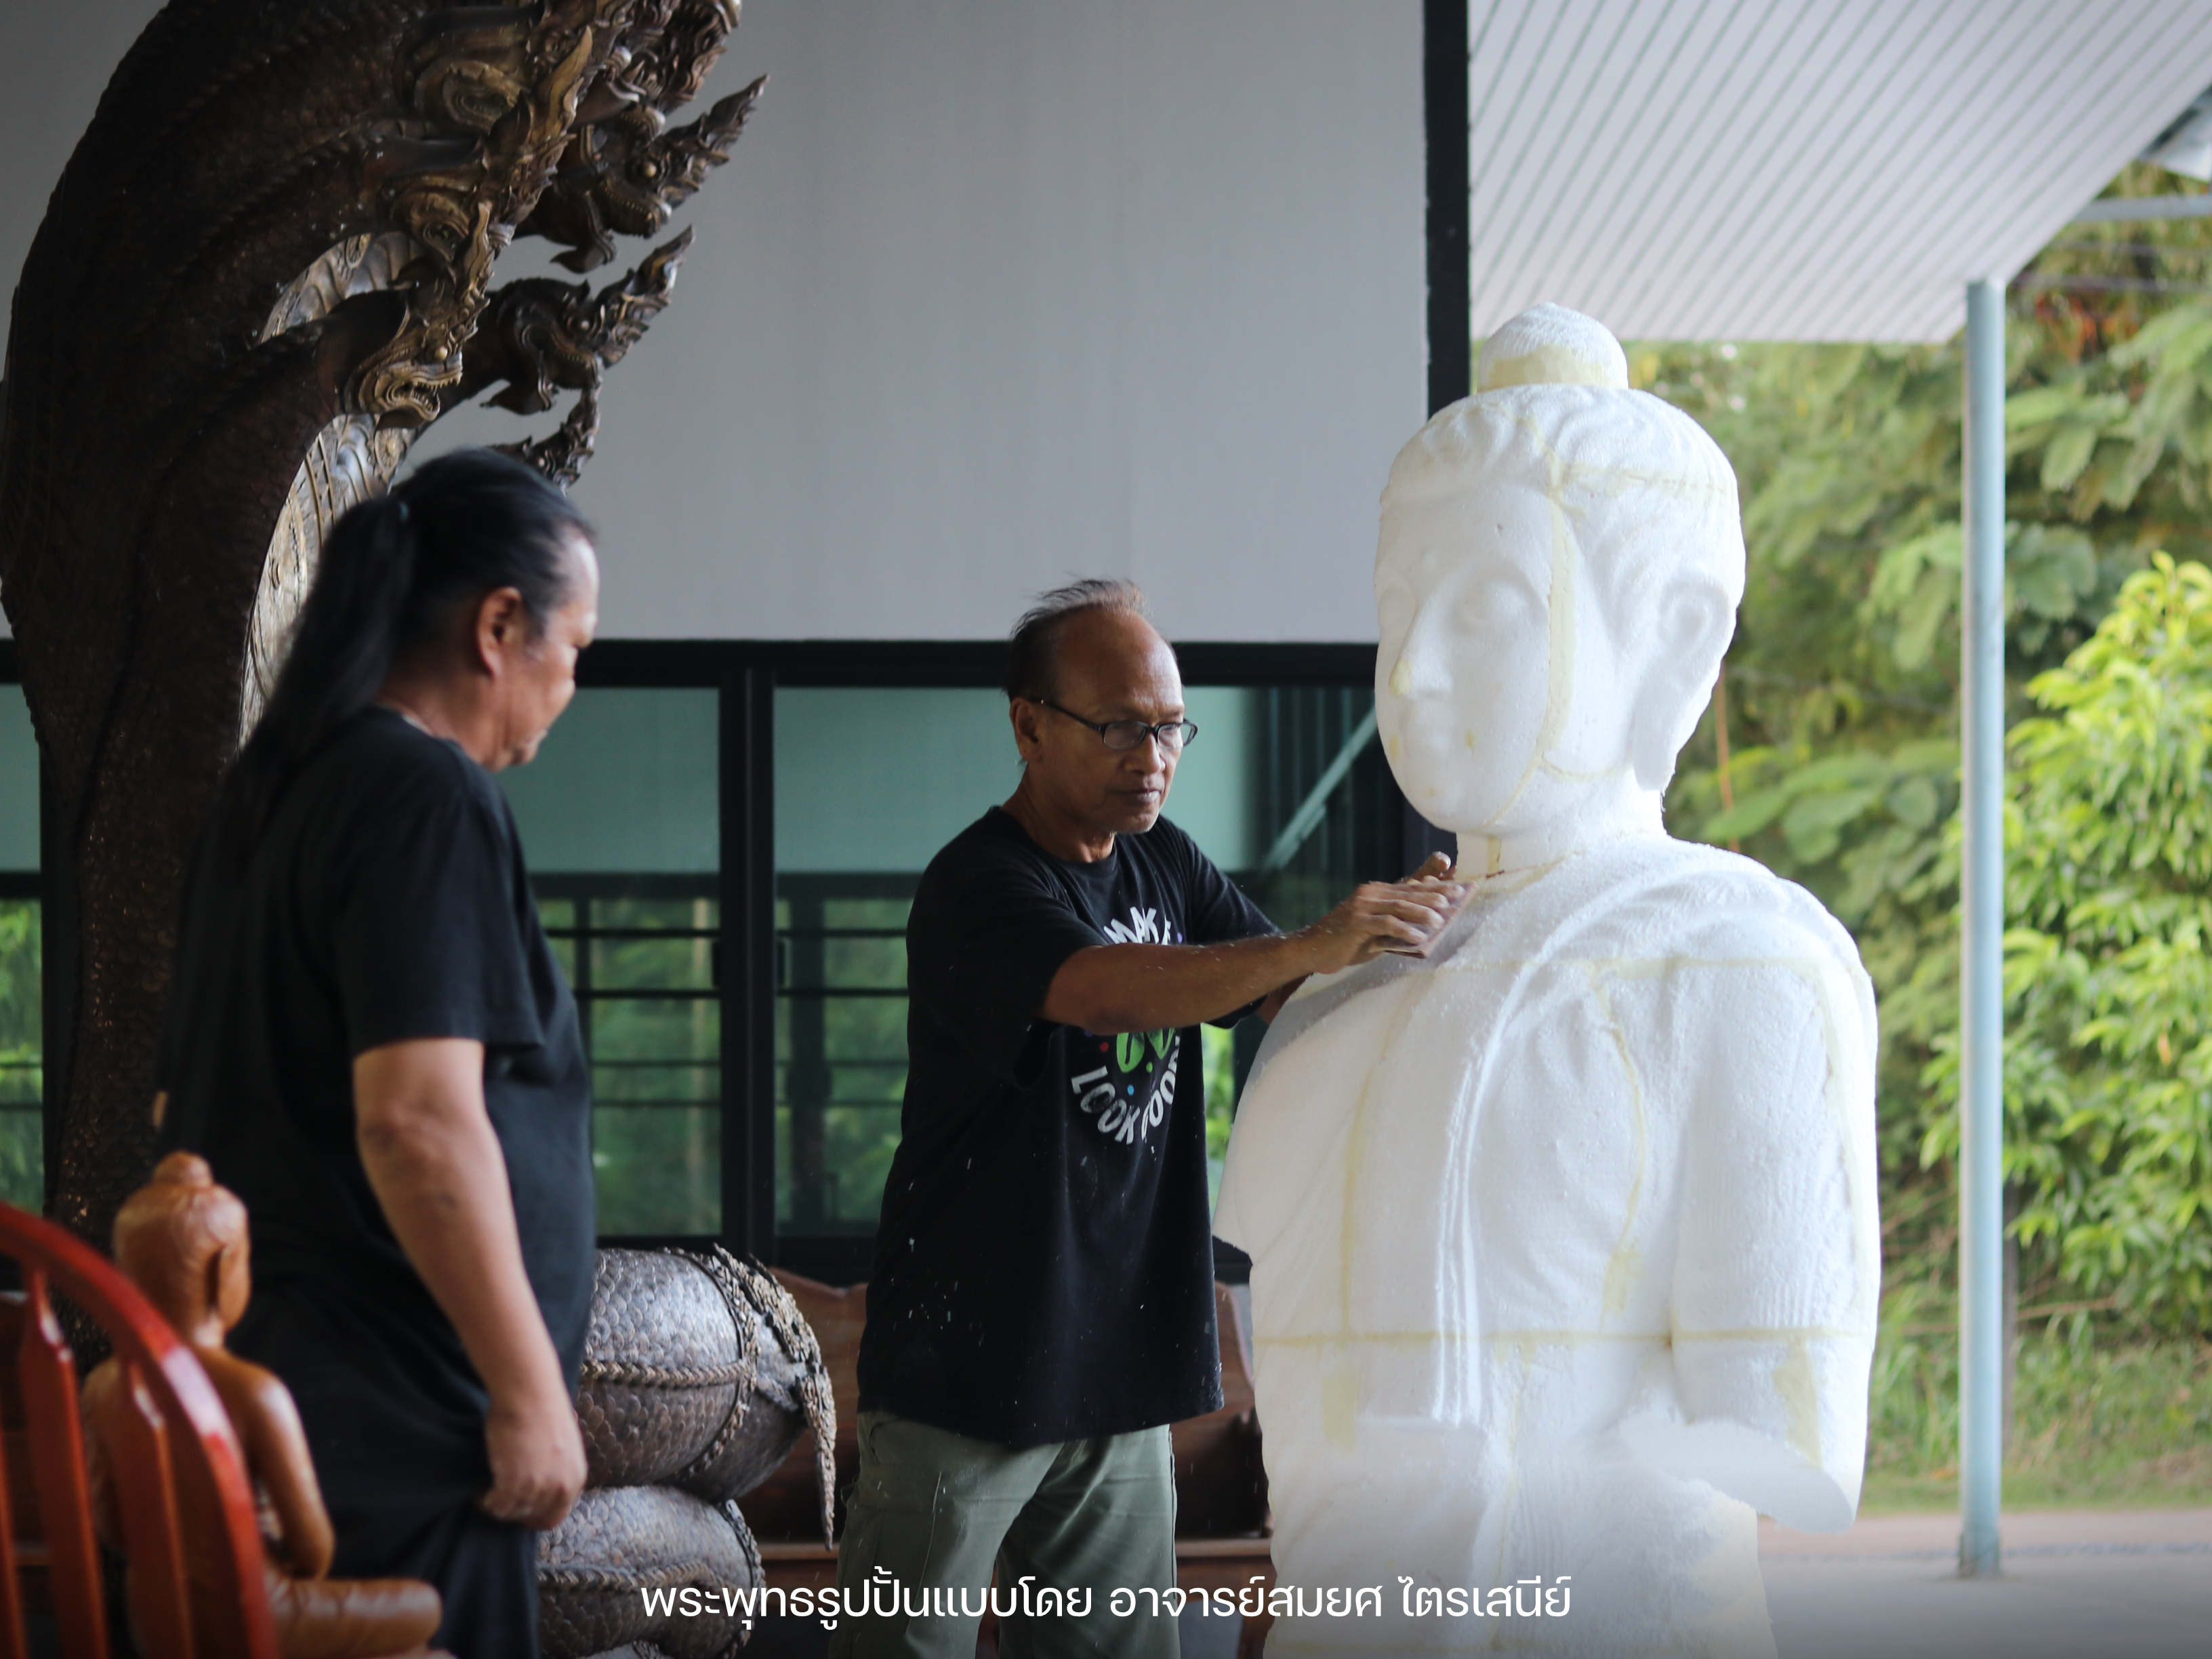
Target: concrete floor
[2133,1585]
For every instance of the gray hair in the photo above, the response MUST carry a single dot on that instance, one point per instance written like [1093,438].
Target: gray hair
[1030,648]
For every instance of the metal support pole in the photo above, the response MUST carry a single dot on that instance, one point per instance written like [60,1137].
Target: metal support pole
[1981,1089]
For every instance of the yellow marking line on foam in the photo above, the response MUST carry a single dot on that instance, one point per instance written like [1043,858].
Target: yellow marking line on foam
[1613,1298]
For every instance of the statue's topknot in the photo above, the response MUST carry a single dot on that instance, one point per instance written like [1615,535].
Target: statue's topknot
[1551,345]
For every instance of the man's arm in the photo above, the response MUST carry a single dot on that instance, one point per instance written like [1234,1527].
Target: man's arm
[434,1163]
[1107,988]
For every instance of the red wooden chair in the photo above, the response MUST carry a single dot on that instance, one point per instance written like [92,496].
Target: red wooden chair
[176,1421]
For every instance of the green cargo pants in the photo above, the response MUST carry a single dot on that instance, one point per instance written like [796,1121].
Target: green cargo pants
[935,1511]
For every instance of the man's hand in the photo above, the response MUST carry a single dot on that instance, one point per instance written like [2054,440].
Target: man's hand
[1405,916]
[1144,987]
[1436,869]
[537,1452]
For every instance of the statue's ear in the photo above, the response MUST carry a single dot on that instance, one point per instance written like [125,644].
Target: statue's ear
[230,1283]
[1689,637]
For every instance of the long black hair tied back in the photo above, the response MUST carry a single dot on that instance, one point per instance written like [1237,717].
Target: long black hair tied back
[392,575]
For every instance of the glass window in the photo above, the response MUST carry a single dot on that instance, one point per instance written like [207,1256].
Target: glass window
[869,782]
[1320,814]
[621,820]
[1283,788]
[621,824]
[22,1138]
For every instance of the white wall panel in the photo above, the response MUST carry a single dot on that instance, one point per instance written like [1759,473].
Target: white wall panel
[992,294]
[54,62]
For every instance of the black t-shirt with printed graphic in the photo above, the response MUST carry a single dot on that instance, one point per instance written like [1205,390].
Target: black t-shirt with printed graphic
[1044,1266]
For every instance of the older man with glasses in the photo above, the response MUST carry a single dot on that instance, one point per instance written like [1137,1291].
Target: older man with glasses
[1042,1306]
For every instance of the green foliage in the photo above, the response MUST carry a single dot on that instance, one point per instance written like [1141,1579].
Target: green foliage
[2108,1060]
[656,1155]
[22,1161]
[2094,1422]
[1218,1050]
[1840,703]
[19,1001]
[2099,1416]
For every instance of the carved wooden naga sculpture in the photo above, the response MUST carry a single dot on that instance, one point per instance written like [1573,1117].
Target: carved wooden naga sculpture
[265,270]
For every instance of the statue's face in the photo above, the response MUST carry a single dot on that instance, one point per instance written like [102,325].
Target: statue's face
[1483,698]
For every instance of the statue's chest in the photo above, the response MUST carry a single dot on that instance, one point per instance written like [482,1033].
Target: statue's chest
[1522,1110]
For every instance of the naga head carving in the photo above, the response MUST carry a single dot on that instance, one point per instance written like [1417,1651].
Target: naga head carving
[560,124]
[662,57]
[539,336]
[636,176]
[484,70]
[623,172]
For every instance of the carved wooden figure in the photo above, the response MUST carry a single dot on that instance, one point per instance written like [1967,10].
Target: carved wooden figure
[267,268]
[182,1241]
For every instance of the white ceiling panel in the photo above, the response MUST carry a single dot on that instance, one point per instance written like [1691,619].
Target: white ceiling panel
[1799,169]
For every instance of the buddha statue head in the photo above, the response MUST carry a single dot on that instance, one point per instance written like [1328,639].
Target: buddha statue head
[182,1241]
[1556,581]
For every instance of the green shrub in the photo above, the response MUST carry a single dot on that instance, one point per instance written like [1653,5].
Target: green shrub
[2108,980]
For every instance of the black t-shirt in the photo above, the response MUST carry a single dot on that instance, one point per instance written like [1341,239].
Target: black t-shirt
[386,899]
[1044,1266]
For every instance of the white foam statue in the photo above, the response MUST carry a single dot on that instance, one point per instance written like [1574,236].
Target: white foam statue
[1564,1246]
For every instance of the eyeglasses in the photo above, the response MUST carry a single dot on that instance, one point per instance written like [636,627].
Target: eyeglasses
[1121,735]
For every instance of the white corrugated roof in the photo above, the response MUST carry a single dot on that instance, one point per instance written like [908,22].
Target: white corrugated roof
[1800,169]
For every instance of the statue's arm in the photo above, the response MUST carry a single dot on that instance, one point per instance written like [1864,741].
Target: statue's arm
[276,1445]
[1777,1278]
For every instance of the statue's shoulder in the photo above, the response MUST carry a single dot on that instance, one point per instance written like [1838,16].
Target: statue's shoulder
[1705,918]
[1683,899]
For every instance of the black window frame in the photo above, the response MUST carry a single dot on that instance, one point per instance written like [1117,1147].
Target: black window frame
[746,675]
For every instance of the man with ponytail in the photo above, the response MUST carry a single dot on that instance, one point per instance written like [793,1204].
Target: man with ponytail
[370,1042]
